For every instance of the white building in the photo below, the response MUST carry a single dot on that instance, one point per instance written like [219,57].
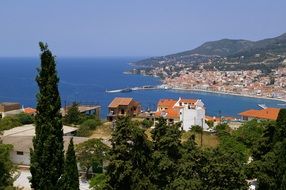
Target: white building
[189,112]
[9,108]
[22,140]
[193,114]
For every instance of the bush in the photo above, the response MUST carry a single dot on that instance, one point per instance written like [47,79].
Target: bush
[196,129]
[147,123]
[25,118]
[84,131]
[98,182]
[9,122]
[91,123]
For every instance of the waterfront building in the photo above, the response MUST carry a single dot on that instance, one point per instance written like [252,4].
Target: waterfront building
[123,107]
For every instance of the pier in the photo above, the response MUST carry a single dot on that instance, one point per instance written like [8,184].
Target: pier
[147,87]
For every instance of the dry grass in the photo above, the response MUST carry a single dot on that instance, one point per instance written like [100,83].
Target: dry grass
[148,133]
[209,140]
[103,132]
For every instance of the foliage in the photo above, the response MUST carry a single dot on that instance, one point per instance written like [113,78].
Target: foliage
[223,171]
[99,182]
[9,122]
[73,115]
[190,167]
[70,178]
[167,163]
[249,133]
[86,128]
[83,131]
[197,129]
[47,155]
[91,124]
[89,152]
[230,145]
[222,129]
[147,123]
[6,167]
[166,153]
[269,165]
[210,123]
[129,158]
[25,118]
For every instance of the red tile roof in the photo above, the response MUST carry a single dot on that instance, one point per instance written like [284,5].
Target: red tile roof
[120,102]
[268,113]
[169,113]
[188,101]
[167,103]
[30,110]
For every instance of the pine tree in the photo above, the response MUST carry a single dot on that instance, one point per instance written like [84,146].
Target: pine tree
[47,155]
[70,177]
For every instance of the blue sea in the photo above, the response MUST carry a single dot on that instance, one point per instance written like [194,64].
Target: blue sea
[86,80]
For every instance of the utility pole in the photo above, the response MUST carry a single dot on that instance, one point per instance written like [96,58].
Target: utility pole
[202,132]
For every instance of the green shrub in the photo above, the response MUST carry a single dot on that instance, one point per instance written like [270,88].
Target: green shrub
[25,118]
[98,182]
[91,124]
[9,122]
[84,131]
[147,123]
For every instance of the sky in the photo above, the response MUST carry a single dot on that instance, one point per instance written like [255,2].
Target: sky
[92,28]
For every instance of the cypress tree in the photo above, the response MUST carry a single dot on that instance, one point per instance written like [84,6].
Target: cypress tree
[70,176]
[47,155]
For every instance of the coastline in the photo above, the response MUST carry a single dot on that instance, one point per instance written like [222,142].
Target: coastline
[227,93]
[214,92]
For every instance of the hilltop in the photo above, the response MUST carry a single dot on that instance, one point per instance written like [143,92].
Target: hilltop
[227,54]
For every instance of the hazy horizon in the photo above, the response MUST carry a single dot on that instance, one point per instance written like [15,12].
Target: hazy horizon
[132,28]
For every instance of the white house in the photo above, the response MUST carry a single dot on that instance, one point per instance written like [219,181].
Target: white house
[189,112]
[9,108]
[22,140]
[193,114]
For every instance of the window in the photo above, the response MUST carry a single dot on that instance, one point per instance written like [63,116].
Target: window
[20,153]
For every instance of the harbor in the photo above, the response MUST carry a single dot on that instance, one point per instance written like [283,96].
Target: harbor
[145,87]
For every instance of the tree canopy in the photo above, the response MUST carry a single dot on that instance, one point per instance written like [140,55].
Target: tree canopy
[47,155]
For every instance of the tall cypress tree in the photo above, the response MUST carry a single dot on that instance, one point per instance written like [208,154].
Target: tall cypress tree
[70,176]
[47,155]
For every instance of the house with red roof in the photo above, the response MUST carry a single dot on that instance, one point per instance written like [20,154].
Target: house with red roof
[123,107]
[188,111]
[264,114]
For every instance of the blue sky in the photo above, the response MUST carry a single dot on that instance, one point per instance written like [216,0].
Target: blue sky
[132,27]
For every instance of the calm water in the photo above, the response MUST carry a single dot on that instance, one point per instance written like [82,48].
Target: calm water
[86,80]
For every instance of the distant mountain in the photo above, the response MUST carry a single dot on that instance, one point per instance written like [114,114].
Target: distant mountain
[231,50]
[224,47]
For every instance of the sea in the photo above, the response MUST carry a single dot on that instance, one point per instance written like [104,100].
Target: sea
[85,80]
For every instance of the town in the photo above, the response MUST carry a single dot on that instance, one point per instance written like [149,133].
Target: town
[253,83]
[246,83]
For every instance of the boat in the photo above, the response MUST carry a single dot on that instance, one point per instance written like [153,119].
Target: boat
[263,106]
[126,90]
